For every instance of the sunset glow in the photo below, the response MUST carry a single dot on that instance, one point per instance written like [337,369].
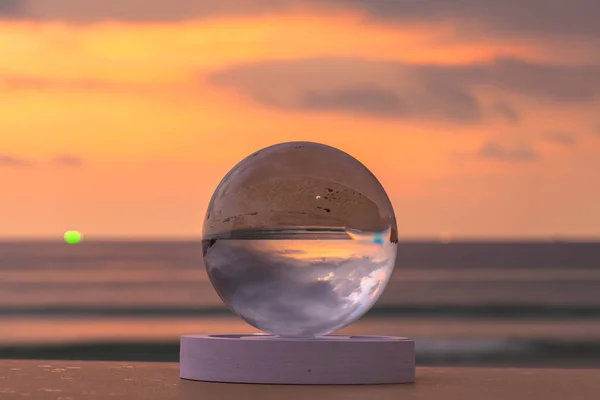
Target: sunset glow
[124,128]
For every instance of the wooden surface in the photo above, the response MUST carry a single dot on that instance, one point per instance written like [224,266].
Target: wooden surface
[66,380]
[334,359]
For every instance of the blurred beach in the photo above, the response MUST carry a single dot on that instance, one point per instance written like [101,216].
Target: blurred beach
[479,303]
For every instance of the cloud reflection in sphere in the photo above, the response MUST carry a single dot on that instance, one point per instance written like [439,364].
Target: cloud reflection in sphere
[299,239]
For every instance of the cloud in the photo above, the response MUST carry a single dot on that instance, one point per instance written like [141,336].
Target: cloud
[541,17]
[545,17]
[140,10]
[352,86]
[68,160]
[562,138]
[518,153]
[399,90]
[10,7]
[553,82]
[7,160]
[452,105]
[365,100]
[37,83]
[507,112]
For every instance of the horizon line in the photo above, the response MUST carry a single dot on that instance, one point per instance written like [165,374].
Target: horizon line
[405,239]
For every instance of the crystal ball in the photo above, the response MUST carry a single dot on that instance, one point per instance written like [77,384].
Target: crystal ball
[299,239]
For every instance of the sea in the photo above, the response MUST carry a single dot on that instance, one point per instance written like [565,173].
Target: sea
[513,304]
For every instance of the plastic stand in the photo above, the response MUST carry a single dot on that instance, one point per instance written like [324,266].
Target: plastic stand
[327,360]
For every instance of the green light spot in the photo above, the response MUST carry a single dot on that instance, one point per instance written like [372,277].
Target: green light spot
[72,237]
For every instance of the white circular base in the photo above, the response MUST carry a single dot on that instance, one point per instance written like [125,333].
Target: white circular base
[328,360]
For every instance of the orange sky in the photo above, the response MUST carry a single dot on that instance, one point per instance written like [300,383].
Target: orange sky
[124,128]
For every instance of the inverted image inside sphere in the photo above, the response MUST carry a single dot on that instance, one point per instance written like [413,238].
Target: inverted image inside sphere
[299,239]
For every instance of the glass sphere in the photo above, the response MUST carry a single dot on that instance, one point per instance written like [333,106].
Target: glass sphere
[299,239]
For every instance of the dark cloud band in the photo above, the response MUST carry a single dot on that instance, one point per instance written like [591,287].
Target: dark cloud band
[11,8]
[383,89]
[541,17]
[548,17]
[9,160]
[558,137]
[519,153]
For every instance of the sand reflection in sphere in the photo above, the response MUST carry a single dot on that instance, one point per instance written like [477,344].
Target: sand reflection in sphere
[299,239]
